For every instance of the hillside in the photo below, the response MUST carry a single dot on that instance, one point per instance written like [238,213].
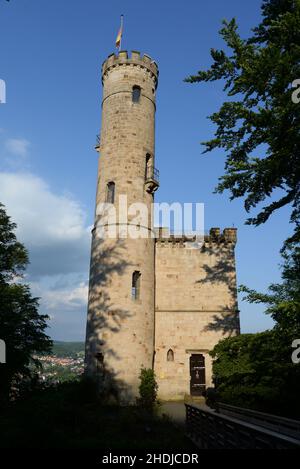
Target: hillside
[68,349]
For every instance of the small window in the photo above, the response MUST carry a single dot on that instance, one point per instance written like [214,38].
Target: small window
[136,283]
[99,362]
[110,192]
[170,355]
[136,94]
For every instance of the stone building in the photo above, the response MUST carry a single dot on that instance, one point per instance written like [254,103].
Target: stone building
[155,300]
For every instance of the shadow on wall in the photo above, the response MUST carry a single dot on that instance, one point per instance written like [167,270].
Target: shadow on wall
[107,262]
[223,272]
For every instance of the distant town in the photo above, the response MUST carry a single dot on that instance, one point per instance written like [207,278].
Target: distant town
[65,364]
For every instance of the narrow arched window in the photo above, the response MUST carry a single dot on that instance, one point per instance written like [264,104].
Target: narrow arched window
[100,357]
[110,192]
[136,285]
[170,355]
[136,94]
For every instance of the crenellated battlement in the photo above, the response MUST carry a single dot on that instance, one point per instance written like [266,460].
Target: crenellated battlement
[135,60]
[229,235]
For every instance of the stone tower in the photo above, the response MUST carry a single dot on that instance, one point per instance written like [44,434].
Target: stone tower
[120,325]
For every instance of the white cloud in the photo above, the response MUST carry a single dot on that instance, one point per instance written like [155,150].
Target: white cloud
[69,299]
[53,228]
[65,300]
[17,146]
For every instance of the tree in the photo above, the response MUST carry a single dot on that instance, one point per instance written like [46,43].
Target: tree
[21,326]
[259,127]
[255,371]
[148,389]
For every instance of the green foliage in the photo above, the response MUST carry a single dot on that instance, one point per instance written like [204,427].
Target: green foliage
[259,127]
[13,255]
[148,389]
[54,373]
[22,327]
[71,416]
[256,371]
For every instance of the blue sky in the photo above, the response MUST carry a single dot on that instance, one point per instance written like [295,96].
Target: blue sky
[51,55]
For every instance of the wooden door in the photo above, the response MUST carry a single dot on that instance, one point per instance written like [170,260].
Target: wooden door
[197,374]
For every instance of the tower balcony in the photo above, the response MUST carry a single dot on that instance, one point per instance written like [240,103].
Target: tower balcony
[97,144]
[151,179]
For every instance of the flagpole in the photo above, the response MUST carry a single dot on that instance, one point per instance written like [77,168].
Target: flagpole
[122,17]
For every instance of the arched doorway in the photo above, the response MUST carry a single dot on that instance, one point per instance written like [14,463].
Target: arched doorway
[197,374]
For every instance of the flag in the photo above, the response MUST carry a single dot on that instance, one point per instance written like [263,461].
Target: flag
[119,36]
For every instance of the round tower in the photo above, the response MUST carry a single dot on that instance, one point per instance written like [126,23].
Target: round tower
[120,325]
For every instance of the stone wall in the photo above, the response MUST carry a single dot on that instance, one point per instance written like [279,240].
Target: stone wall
[196,305]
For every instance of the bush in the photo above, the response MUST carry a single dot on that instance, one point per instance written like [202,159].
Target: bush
[148,389]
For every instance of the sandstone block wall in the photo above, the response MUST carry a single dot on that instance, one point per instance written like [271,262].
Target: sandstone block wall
[196,306]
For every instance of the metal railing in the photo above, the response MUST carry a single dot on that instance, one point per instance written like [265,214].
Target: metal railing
[97,144]
[152,174]
[208,429]
[276,423]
